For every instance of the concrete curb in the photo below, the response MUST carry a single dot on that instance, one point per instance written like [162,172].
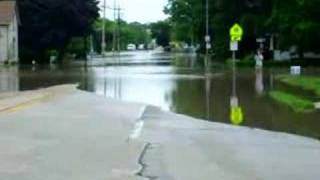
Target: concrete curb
[10,102]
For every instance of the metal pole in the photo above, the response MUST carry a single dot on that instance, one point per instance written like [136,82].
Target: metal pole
[114,28]
[118,34]
[103,40]
[207,26]
[91,45]
[234,80]
[208,96]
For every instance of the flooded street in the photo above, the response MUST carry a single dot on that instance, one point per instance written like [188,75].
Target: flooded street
[178,83]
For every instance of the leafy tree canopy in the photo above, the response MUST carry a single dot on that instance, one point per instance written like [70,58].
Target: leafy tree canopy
[51,24]
[293,22]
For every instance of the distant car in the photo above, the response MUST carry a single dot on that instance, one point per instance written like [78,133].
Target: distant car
[131,47]
[141,47]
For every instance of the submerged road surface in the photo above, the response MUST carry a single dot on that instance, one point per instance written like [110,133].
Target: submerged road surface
[61,133]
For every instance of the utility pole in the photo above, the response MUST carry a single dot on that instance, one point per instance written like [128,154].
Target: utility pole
[114,28]
[118,34]
[207,37]
[207,63]
[103,37]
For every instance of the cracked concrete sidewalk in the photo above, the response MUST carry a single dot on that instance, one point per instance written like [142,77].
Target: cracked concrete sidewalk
[73,136]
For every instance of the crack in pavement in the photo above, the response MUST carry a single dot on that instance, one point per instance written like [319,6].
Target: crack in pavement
[136,132]
[143,164]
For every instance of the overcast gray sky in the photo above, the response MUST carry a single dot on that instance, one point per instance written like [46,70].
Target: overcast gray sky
[143,11]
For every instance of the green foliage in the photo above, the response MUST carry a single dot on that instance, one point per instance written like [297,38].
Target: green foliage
[298,104]
[223,14]
[161,32]
[297,23]
[187,20]
[51,24]
[130,33]
[305,82]
[292,22]
[78,46]
[135,33]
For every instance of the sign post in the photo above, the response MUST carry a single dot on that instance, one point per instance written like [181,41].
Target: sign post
[207,39]
[236,113]
[236,33]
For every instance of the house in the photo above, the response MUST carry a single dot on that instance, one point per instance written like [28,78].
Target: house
[8,31]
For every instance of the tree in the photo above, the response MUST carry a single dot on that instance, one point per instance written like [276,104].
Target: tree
[135,33]
[186,19]
[298,25]
[51,24]
[251,14]
[161,32]
[294,22]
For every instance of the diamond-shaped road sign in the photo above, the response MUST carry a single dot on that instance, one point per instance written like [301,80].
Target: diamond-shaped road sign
[236,32]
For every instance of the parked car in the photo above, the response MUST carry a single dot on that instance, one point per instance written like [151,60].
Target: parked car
[131,47]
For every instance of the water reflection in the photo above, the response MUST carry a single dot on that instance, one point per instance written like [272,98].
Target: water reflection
[207,86]
[236,112]
[127,85]
[183,86]
[259,81]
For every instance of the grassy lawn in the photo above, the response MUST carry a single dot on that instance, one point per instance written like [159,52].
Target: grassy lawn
[298,104]
[304,82]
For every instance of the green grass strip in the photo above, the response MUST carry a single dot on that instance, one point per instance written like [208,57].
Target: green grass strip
[304,82]
[296,103]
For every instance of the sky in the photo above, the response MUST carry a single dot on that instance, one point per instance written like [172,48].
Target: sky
[144,11]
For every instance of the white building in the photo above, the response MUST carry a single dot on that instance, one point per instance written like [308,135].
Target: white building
[9,79]
[8,31]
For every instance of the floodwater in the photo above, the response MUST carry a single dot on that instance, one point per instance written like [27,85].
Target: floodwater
[178,83]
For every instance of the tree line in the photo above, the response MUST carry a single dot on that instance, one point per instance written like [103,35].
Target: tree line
[119,30]
[58,26]
[288,22]
[48,26]
[61,27]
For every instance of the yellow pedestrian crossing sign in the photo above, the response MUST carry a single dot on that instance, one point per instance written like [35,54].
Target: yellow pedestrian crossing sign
[236,32]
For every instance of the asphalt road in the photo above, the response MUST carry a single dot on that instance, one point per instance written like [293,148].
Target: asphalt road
[62,133]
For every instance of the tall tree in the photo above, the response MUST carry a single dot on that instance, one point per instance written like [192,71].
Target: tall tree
[251,14]
[161,32]
[297,24]
[51,24]
[187,20]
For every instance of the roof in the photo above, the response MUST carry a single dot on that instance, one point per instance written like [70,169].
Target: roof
[7,11]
